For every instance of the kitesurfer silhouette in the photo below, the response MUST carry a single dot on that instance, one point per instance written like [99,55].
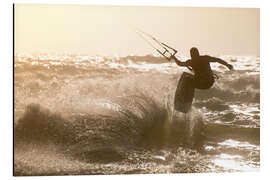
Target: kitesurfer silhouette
[203,77]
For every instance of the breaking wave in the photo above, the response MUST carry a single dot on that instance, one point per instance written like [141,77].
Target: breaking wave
[125,123]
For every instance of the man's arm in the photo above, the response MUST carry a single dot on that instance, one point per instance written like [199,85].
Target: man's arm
[180,63]
[213,59]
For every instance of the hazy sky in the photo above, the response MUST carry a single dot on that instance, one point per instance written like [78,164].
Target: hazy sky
[109,30]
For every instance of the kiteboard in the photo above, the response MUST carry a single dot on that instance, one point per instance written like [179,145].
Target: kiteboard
[184,93]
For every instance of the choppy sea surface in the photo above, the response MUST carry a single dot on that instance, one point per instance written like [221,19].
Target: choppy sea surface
[78,114]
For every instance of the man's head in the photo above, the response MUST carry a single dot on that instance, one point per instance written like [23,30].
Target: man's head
[194,52]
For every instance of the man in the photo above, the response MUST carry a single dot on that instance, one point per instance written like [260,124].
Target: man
[203,78]
[203,75]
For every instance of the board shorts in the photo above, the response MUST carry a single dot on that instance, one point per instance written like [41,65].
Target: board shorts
[184,93]
[199,83]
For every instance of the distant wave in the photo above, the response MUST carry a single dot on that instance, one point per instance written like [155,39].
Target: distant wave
[246,63]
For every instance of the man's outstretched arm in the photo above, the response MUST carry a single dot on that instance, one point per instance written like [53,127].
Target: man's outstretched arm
[180,63]
[213,59]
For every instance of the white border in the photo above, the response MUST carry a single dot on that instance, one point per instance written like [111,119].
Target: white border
[6,81]
[197,3]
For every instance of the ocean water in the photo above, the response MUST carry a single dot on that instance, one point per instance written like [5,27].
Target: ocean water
[78,114]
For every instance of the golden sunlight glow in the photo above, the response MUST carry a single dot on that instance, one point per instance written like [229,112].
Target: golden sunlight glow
[106,30]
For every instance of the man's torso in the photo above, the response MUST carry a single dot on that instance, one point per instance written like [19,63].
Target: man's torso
[203,74]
